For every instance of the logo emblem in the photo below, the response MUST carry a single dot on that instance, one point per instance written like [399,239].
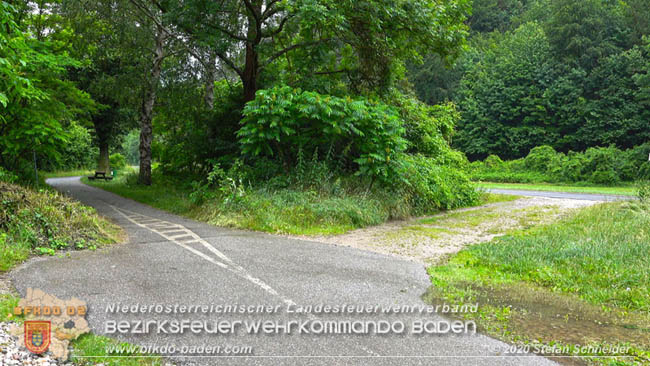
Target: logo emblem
[37,335]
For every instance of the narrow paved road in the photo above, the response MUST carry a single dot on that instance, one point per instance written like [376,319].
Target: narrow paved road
[565,195]
[170,260]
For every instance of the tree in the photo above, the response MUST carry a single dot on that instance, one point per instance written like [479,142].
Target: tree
[494,15]
[502,96]
[35,100]
[584,31]
[109,48]
[248,36]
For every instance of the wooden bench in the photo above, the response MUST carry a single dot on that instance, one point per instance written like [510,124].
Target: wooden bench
[100,175]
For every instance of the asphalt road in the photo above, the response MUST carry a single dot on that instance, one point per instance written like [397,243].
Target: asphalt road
[169,260]
[563,195]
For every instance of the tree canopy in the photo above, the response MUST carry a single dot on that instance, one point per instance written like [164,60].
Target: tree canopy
[567,73]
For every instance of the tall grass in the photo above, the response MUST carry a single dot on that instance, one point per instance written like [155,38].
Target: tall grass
[309,202]
[600,254]
[44,221]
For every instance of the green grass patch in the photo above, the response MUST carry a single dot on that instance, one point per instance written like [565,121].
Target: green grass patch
[297,211]
[622,190]
[489,198]
[418,231]
[7,303]
[582,280]
[91,349]
[288,211]
[465,219]
[36,222]
[66,173]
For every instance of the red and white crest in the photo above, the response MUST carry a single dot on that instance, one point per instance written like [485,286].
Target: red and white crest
[37,335]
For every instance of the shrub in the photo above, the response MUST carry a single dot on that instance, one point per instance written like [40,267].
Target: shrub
[570,169]
[7,176]
[430,186]
[643,190]
[644,171]
[428,129]
[190,135]
[600,165]
[366,135]
[493,161]
[541,158]
[117,161]
[77,153]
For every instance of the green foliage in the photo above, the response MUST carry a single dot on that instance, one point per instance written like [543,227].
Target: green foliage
[643,190]
[429,129]
[191,136]
[428,184]
[502,97]
[583,31]
[7,303]
[361,133]
[34,100]
[131,147]
[491,15]
[78,152]
[117,161]
[43,222]
[568,74]
[541,159]
[91,349]
[604,165]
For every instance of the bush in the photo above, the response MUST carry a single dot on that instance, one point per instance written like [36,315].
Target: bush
[191,136]
[365,135]
[117,161]
[602,165]
[430,186]
[428,129]
[77,153]
[643,190]
[541,159]
[493,161]
[7,176]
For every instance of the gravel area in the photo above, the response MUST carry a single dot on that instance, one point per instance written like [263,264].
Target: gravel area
[430,239]
[11,355]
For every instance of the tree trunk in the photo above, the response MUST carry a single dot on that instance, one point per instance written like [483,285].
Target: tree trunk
[210,71]
[104,163]
[251,69]
[146,114]
[252,64]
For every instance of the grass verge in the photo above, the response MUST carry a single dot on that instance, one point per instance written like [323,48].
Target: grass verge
[36,222]
[624,191]
[584,280]
[91,349]
[285,211]
[66,173]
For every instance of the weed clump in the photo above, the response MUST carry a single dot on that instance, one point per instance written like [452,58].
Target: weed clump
[43,222]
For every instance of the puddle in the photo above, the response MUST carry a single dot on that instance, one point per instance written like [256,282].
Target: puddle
[539,314]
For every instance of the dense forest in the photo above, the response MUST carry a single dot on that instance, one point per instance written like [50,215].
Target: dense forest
[387,98]
[570,74]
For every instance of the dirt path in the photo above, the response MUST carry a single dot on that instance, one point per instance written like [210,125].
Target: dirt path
[429,239]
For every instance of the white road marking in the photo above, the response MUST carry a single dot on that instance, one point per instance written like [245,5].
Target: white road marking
[226,263]
[229,265]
